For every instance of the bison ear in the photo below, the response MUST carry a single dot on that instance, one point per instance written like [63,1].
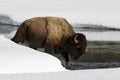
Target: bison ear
[75,39]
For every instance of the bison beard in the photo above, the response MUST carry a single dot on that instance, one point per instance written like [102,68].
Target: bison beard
[54,34]
[75,47]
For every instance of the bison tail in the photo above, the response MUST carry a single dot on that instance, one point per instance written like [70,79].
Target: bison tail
[20,34]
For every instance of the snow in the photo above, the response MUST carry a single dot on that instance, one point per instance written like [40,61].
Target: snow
[95,74]
[18,62]
[16,58]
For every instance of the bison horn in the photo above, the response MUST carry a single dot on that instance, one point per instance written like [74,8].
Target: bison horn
[75,39]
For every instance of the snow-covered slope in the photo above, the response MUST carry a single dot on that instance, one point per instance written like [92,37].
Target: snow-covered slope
[15,58]
[96,74]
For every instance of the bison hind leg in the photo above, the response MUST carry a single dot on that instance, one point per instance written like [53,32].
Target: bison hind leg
[32,47]
[49,49]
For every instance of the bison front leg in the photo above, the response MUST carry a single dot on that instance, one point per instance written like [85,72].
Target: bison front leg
[49,48]
[67,62]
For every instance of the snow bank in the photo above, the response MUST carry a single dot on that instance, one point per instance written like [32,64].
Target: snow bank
[15,58]
[94,74]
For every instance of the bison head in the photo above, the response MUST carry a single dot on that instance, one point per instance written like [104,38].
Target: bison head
[76,45]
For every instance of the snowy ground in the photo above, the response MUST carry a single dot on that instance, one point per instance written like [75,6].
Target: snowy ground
[96,74]
[15,58]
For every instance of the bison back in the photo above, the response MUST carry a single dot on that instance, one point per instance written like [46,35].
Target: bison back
[58,31]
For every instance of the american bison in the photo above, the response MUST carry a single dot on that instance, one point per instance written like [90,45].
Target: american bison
[54,34]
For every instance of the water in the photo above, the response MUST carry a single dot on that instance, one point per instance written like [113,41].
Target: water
[102,36]
[88,65]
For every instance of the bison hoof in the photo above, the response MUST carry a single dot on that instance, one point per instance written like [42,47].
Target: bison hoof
[67,66]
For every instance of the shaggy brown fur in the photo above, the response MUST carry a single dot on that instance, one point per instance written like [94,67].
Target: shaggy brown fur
[54,34]
[45,32]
